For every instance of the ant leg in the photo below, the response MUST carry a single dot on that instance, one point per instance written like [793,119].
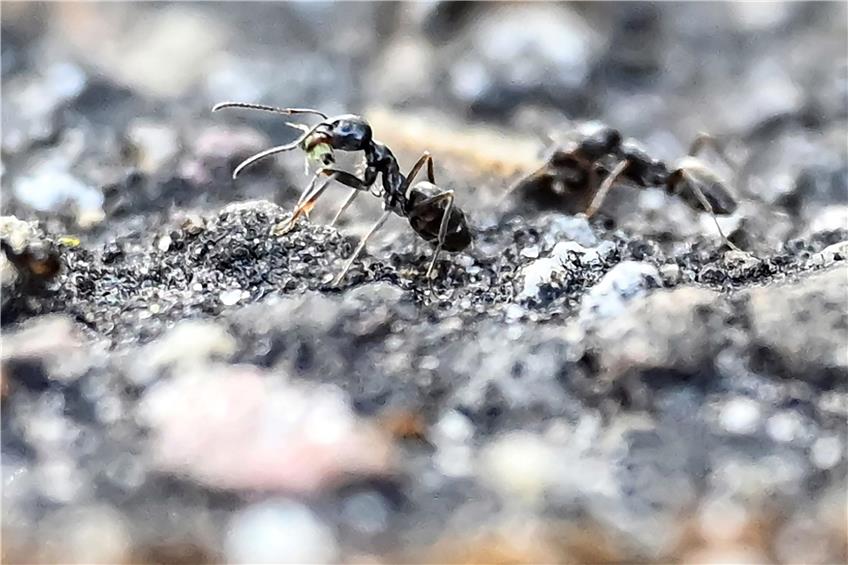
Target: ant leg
[361,246]
[309,187]
[343,177]
[348,201]
[605,188]
[443,226]
[425,158]
[303,208]
[530,178]
[699,194]
[357,184]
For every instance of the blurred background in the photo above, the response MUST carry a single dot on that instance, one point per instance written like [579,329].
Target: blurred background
[107,135]
[109,94]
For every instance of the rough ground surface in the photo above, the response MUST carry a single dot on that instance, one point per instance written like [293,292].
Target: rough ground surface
[190,388]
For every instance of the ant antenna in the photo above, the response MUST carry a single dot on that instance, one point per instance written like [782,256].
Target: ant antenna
[263,107]
[274,150]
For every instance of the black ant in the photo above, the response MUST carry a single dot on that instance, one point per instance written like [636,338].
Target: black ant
[571,177]
[430,209]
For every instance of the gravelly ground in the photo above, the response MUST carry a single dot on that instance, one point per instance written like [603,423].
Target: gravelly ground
[190,388]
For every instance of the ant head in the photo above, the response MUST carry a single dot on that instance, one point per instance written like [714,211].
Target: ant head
[348,133]
[598,140]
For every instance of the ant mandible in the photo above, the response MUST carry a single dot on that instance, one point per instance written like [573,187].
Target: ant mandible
[571,176]
[430,210]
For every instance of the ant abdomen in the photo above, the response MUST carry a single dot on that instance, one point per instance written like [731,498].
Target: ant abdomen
[692,177]
[426,208]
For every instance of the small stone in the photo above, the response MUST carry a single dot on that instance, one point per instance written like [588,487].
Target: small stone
[269,435]
[670,273]
[164,243]
[826,452]
[366,513]
[48,189]
[53,340]
[740,416]
[230,297]
[88,534]
[557,270]
[562,227]
[814,308]
[454,427]
[680,329]
[188,344]
[193,224]
[831,254]
[740,265]
[279,531]
[521,466]
[621,284]
[530,252]
[786,426]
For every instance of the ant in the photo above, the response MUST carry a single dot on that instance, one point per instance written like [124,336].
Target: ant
[37,263]
[431,210]
[571,176]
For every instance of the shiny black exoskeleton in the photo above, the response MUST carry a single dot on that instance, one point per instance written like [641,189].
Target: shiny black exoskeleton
[430,210]
[582,167]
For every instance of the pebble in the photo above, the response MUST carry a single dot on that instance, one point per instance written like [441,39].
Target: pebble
[230,297]
[47,190]
[814,308]
[85,534]
[189,344]
[831,254]
[624,282]
[268,435]
[366,513]
[55,341]
[741,416]
[520,466]
[787,426]
[279,531]
[562,266]
[827,452]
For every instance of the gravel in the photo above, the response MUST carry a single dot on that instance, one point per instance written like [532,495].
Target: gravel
[191,388]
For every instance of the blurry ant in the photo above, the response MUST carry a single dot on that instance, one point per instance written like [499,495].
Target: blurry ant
[571,177]
[430,209]
[37,264]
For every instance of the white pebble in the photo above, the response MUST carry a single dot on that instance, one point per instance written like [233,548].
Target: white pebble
[531,252]
[520,466]
[826,452]
[785,426]
[740,416]
[279,531]
[609,297]
[230,297]
[454,427]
